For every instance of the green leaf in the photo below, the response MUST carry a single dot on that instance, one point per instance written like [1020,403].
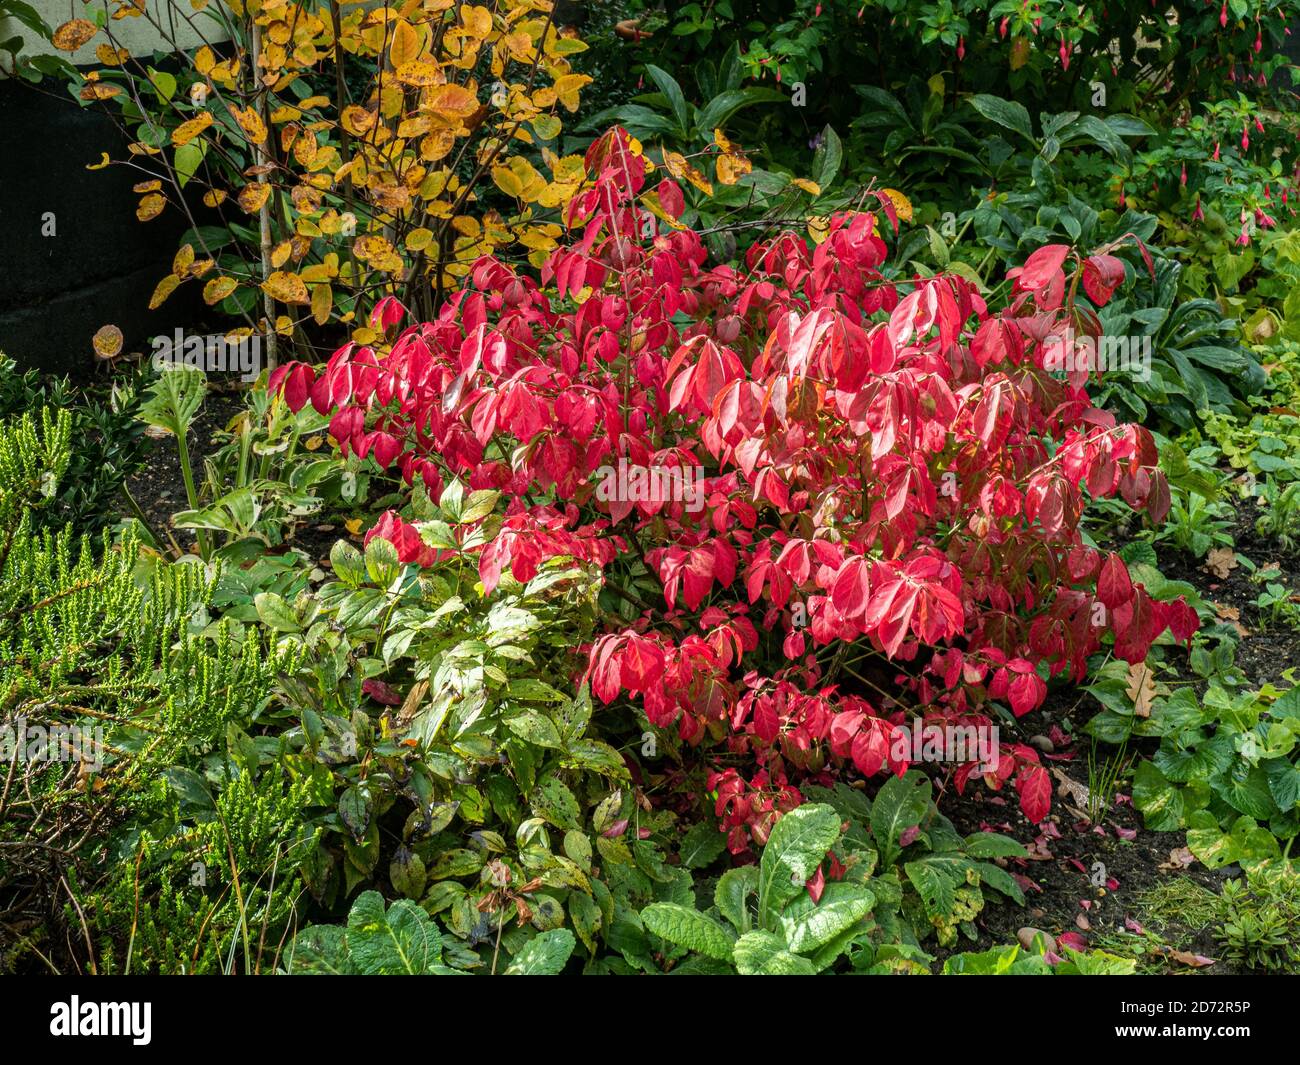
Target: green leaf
[992,845]
[347,563]
[690,929]
[536,728]
[1006,113]
[382,563]
[702,845]
[555,802]
[275,613]
[669,87]
[543,955]
[841,907]
[761,953]
[901,803]
[731,896]
[794,850]
[827,159]
[401,942]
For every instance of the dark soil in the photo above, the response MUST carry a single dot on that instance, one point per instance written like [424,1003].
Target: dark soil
[1065,849]
[159,489]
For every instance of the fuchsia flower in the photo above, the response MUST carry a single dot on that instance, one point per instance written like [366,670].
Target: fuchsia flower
[1244,239]
[1064,53]
[1198,215]
[1223,15]
[1182,178]
[961,48]
[1215,156]
[1245,138]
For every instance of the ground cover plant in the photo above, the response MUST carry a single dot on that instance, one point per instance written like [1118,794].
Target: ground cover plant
[730,489]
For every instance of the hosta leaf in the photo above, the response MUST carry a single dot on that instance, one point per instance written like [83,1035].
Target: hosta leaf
[690,929]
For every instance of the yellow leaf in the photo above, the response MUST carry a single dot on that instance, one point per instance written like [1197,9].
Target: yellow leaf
[184,257]
[251,123]
[902,205]
[507,181]
[419,239]
[437,145]
[353,526]
[204,60]
[358,121]
[110,56]
[682,170]
[98,91]
[284,325]
[477,20]
[164,289]
[372,247]
[107,341]
[322,302]
[810,187]
[285,287]
[150,206]
[406,43]
[452,101]
[566,89]
[191,128]
[731,168]
[103,162]
[218,289]
[280,254]
[252,196]
[419,72]
[146,186]
[73,34]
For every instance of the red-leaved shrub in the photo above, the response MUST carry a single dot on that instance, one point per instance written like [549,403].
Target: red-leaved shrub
[867,478]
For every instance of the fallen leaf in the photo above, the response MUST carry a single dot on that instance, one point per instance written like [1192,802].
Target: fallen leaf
[1195,961]
[1141,689]
[1221,561]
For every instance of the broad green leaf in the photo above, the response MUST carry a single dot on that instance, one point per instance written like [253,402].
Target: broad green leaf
[731,896]
[401,942]
[841,907]
[1006,113]
[544,955]
[793,852]
[761,953]
[690,929]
